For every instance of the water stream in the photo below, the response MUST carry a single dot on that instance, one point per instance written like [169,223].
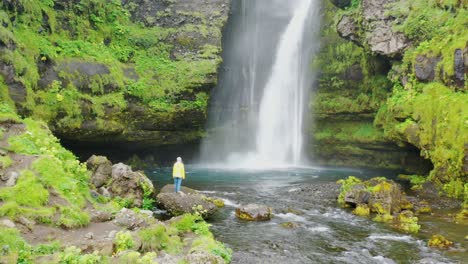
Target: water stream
[305,196]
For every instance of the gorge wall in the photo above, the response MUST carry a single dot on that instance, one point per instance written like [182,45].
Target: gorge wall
[132,71]
[397,83]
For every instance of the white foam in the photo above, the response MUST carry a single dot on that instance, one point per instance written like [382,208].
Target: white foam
[291,217]
[230,203]
[318,229]
[389,237]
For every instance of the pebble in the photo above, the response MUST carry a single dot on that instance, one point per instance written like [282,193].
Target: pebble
[8,223]
[466,237]
[89,235]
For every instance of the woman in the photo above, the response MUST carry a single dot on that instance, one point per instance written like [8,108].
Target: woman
[178,173]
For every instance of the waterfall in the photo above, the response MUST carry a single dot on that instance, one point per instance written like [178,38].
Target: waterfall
[257,112]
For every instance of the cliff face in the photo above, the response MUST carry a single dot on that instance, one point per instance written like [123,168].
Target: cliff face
[421,99]
[352,86]
[130,71]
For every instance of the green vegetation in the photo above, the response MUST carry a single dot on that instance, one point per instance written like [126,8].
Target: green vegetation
[123,241]
[438,127]
[100,57]
[160,237]
[439,241]
[346,185]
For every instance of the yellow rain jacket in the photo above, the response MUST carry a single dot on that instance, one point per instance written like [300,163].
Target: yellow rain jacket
[178,171]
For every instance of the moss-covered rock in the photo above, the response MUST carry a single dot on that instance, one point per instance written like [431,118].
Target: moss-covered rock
[129,71]
[382,198]
[440,242]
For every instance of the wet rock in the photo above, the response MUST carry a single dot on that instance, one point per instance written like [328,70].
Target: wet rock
[7,223]
[254,212]
[181,203]
[440,242]
[358,194]
[341,3]
[101,169]
[132,220]
[425,67]
[407,222]
[203,258]
[11,178]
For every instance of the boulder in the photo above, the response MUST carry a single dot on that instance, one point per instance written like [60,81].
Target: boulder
[169,188]
[358,194]
[131,220]
[101,169]
[130,185]
[181,203]
[98,216]
[254,212]
[386,197]
[347,28]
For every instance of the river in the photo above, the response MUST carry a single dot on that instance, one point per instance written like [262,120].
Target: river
[325,233]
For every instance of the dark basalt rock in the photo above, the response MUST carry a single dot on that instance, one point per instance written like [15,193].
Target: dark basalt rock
[425,67]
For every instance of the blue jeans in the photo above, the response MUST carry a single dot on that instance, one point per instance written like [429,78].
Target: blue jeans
[177,183]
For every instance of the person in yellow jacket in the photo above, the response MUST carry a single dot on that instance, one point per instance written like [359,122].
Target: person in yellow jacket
[178,173]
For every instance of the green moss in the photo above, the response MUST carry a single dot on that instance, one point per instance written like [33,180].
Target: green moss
[28,191]
[362,210]
[439,241]
[68,178]
[5,161]
[7,112]
[71,217]
[192,223]
[383,218]
[437,27]
[159,237]
[346,185]
[123,241]
[74,255]
[406,222]
[436,121]
[208,244]
[13,210]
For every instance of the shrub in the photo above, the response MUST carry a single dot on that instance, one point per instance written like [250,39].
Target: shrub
[123,241]
[159,237]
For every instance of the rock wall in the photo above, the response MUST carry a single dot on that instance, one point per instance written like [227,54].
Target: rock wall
[423,101]
[352,86]
[135,71]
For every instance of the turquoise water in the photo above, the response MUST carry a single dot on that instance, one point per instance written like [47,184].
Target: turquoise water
[325,233]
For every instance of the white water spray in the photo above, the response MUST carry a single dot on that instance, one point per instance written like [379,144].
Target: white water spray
[258,114]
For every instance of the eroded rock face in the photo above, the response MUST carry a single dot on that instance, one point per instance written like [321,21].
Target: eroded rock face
[254,212]
[375,29]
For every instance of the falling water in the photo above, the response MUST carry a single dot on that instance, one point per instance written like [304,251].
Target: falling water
[256,117]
